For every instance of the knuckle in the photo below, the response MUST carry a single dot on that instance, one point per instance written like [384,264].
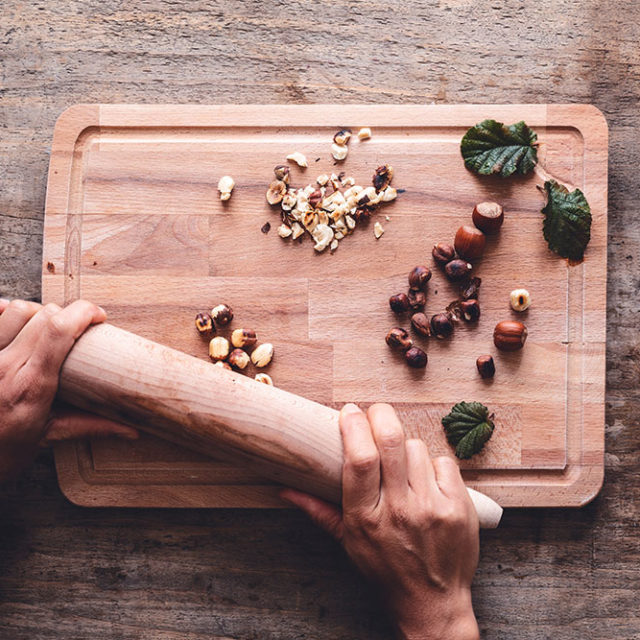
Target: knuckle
[20,307]
[391,438]
[50,309]
[363,463]
[57,326]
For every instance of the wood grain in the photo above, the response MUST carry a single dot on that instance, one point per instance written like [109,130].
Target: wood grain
[134,222]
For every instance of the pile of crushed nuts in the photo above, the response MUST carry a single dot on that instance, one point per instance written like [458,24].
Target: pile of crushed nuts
[244,342]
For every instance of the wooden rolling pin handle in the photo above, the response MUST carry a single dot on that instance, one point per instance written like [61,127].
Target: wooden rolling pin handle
[175,396]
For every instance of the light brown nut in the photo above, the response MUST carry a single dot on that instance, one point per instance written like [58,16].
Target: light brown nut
[276,192]
[364,133]
[339,151]
[265,378]
[378,230]
[204,324]
[342,137]
[218,348]
[238,359]
[282,172]
[223,365]
[262,354]
[299,158]
[242,338]
[225,187]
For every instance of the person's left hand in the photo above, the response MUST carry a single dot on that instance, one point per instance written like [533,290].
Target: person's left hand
[34,342]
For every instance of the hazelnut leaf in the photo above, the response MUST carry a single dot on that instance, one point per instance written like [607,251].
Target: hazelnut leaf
[493,148]
[468,426]
[567,222]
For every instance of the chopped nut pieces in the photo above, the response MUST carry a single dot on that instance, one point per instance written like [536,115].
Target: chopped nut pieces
[378,230]
[262,354]
[265,378]
[339,151]
[520,299]
[299,158]
[282,172]
[218,348]
[276,192]
[284,231]
[225,187]
[364,133]
[342,137]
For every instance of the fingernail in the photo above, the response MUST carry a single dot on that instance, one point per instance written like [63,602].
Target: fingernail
[102,309]
[351,408]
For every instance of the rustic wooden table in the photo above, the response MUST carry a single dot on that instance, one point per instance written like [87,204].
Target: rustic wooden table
[69,573]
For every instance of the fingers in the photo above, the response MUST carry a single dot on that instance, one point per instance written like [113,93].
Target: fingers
[71,424]
[420,473]
[390,440]
[325,515]
[449,478]
[14,316]
[361,471]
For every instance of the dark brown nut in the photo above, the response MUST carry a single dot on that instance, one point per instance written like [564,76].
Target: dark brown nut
[443,253]
[509,335]
[398,338]
[342,137]
[419,276]
[416,358]
[266,227]
[238,359]
[282,172]
[362,214]
[204,324]
[441,325]
[315,198]
[469,242]
[417,299]
[243,338]
[488,216]
[399,303]
[486,367]
[471,289]
[222,314]
[457,269]
[470,310]
[382,177]
[420,323]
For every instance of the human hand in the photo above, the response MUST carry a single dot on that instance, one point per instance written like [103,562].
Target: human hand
[34,342]
[407,523]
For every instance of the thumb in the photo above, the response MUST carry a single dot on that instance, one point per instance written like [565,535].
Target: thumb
[71,424]
[327,516]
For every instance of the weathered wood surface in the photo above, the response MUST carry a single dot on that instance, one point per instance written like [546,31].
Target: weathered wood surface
[68,572]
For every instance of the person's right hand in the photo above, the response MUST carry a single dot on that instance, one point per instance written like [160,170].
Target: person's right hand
[407,522]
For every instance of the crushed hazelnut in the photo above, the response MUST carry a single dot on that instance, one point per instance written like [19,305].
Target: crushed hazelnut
[364,133]
[378,230]
[225,187]
[299,158]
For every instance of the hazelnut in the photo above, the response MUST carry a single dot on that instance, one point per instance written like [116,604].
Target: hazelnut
[222,314]
[398,338]
[265,378]
[315,198]
[389,194]
[399,303]
[378,230]
[509,335]
[486,367]
[520,299]
[339,151]
[342,137]
[262,354]
[457,269]
[284,230]
[218,348]
[299,158]
[204,324]
[364,133]
[420,323]
[419,276]
[225,187]
[469,242]
[223,365]
[416,358]
[276,192]
[443,253]
[470,310]
[243,338]
[441,325]
[382,177]
[289,201]
[238,359]
[417,299]
[282,173]
[471,289]
[488,216]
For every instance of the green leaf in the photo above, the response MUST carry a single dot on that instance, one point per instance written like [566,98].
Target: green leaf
[567,221]
[492,148]
[468,426]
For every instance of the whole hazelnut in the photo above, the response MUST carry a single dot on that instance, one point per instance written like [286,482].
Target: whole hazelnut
[416,358]
[243,338]
[238,359]
[441,325]
[470,310]
[469,242]
[218,348]
[222,314]
[520,299]
[457,269]
[471,289]
[486,367]
[265,378]
[399,303]
[420,323]
[262,354]
[443,253]
[419,276]
[509,335]
[223,365]
[204,324]
[398,338]
[488,216]
[417,299]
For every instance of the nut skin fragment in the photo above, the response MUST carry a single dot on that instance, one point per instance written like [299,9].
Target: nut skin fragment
[399,303]
[416,358]
[520,299]
[398,338]
[266,227]
[469,242]
[417,299]
[339,151]
[441,325]
[378,230]
[509,335]
[238,359]
[488,216]
[282,173]
[457,269]
[364,133]
[421,324]
[222,314]
[242,338]
[419,276]
[262,354]
[204,324]
[218,348]
[486,367]
[225,187]
[470,310]
[299,158]
[342,137]
[264,378]
[276,192]
[443,253]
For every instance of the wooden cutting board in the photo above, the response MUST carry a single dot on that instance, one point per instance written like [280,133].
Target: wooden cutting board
[134,223]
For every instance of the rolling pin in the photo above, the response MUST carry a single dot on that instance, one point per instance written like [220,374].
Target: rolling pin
[284,437]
